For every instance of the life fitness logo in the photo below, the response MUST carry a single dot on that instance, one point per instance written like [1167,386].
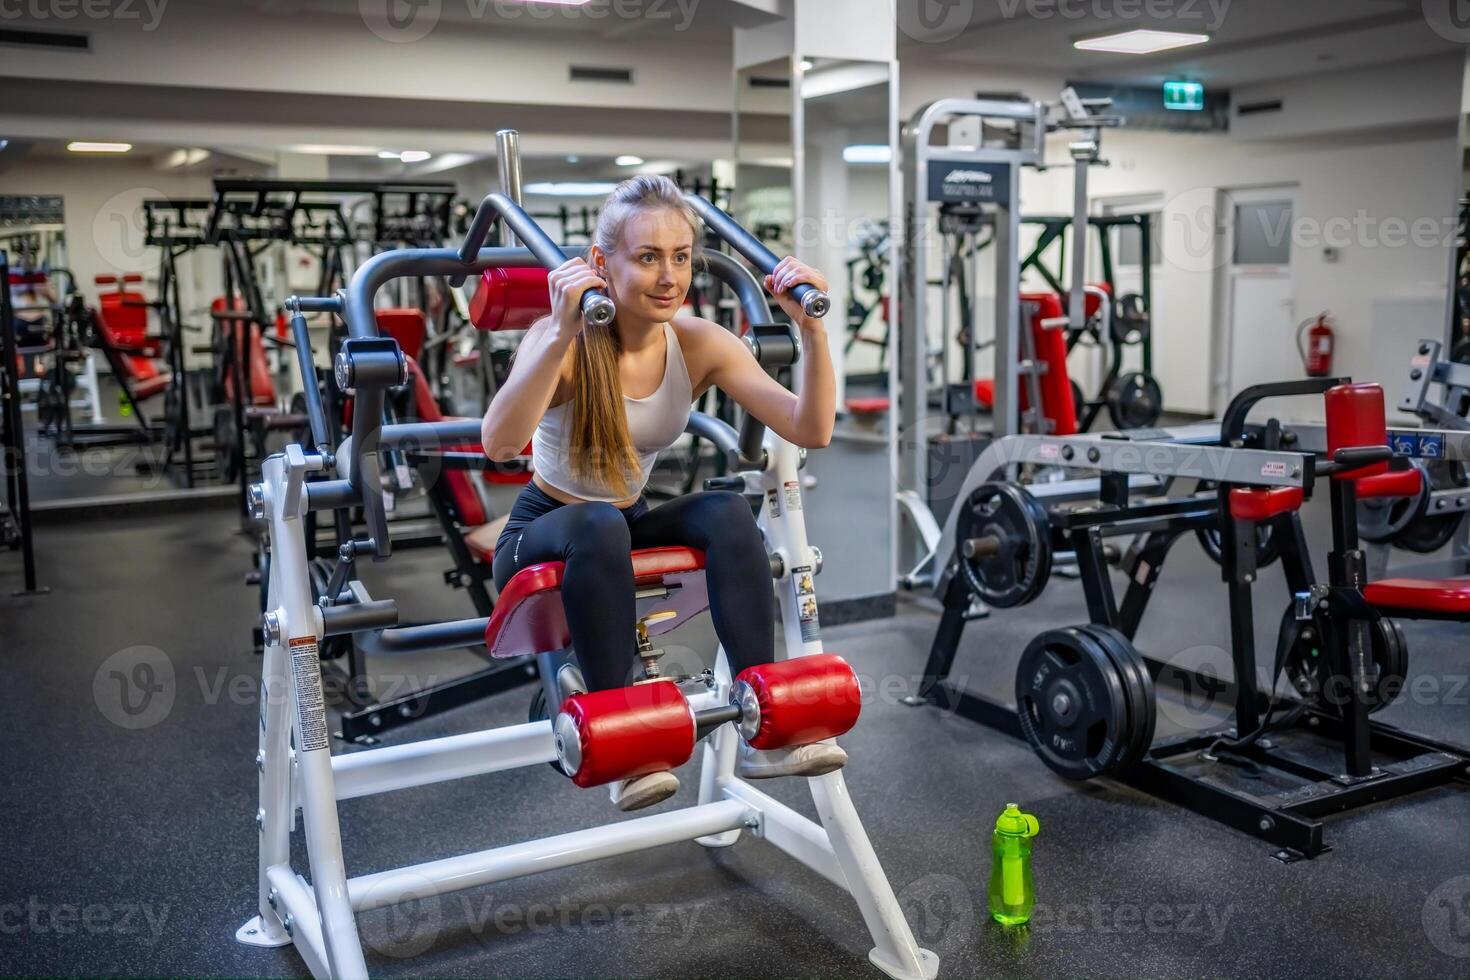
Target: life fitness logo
[400,21]
[968,177]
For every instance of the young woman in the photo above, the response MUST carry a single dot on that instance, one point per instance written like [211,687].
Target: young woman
[598,404]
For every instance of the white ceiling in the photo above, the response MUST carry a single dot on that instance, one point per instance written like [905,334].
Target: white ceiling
[1251,41]
[692,20]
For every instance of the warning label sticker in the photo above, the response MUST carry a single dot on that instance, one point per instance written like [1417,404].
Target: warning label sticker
[793,495]
[806,602]
[306,673]
[773,499]
[1047,451]
[1274,467]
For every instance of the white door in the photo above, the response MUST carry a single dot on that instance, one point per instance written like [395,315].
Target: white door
[1259,294]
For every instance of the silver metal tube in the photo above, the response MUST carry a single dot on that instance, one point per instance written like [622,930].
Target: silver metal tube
[508,154]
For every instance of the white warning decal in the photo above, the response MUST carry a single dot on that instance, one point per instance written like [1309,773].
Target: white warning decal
[306,673]
[806,603]
[1273,467]
[793,495]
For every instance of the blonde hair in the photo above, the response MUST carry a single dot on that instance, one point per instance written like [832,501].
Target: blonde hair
[603,450]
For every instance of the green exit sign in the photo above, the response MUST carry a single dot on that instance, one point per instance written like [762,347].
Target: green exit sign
[1184,96]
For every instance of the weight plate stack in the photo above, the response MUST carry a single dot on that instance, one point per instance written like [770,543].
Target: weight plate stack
[1381,519]
[1426,532]
[1134,400]
[1073,704]
[1017,569]
[1309,671]
[1138,684]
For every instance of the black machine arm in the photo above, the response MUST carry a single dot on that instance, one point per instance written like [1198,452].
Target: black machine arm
[814,302]
[1232,425]
[597,308]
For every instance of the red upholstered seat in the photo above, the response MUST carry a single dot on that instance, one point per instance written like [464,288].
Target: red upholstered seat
[262,385]
[867,406]
[1428,595]
[1263,503]
[529,617]
[1057,401]
[122,320]
[407,326]
[1395,483]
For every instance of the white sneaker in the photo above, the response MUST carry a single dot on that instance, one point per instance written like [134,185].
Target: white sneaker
[816,759]
[642,791]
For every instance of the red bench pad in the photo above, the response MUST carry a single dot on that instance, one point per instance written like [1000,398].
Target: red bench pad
[529,617]
[1263,503]
[1431,595]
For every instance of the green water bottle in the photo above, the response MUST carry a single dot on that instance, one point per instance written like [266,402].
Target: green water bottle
[1012,892]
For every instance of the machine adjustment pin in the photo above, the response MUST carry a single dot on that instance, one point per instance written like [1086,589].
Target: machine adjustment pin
[270,627]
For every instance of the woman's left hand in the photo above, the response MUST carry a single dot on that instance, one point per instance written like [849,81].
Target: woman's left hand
[789,273]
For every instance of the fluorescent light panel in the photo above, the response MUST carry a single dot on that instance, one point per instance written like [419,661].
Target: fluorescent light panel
[867,153]
[628,160]
[571,188]
[1140,41]
[84,146]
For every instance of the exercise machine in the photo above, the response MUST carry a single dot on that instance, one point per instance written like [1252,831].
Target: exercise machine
[1085,697]
[15,519]
[293,756]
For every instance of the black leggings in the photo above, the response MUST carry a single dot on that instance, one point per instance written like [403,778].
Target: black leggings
[594,540]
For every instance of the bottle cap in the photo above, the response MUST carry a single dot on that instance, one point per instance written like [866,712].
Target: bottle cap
[1012,821]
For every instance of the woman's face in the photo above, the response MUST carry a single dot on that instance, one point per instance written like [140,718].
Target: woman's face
[649,270]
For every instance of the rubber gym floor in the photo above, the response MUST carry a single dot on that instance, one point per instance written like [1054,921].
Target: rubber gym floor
[130,850]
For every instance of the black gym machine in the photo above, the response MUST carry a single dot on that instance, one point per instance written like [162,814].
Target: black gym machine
[1085,696]
[15,519]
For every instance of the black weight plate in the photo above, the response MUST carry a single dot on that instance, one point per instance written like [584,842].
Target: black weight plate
[1138,684]
[1427,532]
[1267,548]
[1381,519]
[1309,669]
[1134,400]
[1071,703]
[1129,324]
[1019,571]
[226,443]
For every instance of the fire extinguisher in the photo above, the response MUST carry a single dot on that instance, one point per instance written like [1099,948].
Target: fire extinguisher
[1317,354]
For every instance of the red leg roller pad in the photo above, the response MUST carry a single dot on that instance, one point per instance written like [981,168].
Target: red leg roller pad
[797,701]
[626,732]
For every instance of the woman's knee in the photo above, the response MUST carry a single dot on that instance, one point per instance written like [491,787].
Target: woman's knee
[726,516]
[597,528]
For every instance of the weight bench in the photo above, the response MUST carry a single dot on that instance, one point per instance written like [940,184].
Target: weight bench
[121,318]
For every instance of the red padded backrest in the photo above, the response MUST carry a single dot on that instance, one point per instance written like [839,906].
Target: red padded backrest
[262,385]
[126,315]
[1355,418]
[510,299]
[467,502]
[1057,403]
[407,326]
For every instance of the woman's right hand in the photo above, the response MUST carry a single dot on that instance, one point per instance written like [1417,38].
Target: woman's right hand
[567,283]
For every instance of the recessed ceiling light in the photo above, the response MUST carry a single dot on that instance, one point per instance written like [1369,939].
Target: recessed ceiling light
[387,154]
[414,156]
[628,160]
[807,64]
[867,153]
[572,188]
[1140,41]
[83,146]
[573,158]
[333,150]
[4,144]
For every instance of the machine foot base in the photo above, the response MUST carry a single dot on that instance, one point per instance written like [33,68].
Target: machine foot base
[928,966]
[253,933]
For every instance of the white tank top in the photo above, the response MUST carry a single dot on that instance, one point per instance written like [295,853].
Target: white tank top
[653,423]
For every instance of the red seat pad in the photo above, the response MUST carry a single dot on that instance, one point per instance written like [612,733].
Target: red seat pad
[1263,503]
[262,386]
[867,406]
[1439,595]
[407,326]
[529,617]
[467,505]
[1395,483]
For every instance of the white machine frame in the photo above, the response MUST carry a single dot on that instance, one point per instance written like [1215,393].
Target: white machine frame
[298,771]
